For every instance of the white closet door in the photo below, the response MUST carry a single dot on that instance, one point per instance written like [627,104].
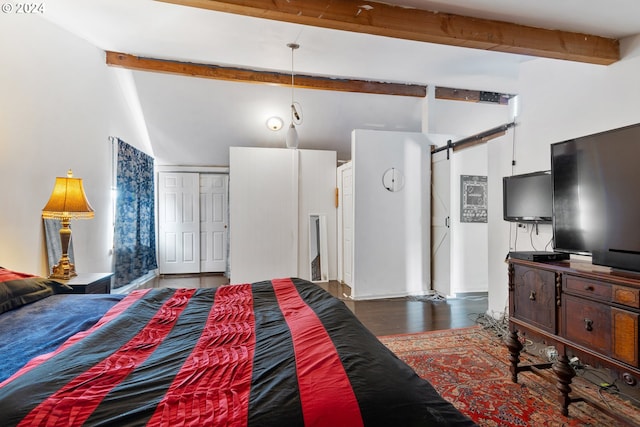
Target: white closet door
[179,223]
[214,221]
[263,213]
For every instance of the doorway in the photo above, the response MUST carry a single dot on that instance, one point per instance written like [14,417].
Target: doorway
[345,223]
[440,223]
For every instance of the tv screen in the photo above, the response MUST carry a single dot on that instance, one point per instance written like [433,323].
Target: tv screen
[596,203]
[527,197]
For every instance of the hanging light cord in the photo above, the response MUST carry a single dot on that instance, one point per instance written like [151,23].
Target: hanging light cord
[295,115]
[293,46]
[292,134]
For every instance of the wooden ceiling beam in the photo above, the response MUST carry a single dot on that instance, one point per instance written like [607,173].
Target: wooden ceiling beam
[425,26]
[131,62]
[454,94]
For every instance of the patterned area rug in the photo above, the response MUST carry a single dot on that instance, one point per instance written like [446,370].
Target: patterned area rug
[470,368]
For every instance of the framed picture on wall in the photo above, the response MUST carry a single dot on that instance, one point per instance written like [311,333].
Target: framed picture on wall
[473,198]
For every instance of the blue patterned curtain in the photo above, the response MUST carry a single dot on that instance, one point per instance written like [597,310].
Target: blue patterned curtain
[135,238]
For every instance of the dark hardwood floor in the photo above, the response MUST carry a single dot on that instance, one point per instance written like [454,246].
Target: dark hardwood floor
[388,316]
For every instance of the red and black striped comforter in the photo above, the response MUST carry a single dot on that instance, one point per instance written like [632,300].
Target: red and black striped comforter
[274,353]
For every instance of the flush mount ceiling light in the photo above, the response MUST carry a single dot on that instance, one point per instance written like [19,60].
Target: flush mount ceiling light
[296,110]
[274,123]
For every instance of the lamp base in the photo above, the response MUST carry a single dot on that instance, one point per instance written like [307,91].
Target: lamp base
[63,270]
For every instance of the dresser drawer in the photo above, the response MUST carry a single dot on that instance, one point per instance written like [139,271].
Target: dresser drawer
[625,336]
[587,323]
[588,288]
[626,296]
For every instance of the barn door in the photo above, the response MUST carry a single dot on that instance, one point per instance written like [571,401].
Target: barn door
[440,223]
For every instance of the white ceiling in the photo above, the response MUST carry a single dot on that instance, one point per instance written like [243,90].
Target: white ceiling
[192,121]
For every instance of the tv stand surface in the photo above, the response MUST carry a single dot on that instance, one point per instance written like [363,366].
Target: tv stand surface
[586,311]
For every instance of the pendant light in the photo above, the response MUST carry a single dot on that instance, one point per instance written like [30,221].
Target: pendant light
[296,111]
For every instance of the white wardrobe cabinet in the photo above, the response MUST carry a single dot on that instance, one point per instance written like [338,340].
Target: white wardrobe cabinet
[282,214]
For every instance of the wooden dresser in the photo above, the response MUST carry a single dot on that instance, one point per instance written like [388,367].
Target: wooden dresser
[585,311]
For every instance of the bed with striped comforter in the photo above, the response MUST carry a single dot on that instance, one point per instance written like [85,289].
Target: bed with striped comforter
[281,352]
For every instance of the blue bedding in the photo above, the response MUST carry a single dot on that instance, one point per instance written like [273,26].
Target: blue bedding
[42,326]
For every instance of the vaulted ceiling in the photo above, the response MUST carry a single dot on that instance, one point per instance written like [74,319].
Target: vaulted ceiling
[193,120]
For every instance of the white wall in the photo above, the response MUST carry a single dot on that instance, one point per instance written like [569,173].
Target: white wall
[468,240]
[559,100]
[465,118]
[391,249]
[59,105]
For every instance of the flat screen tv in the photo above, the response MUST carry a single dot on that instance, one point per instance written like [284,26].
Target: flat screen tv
[596,197]
[527,197]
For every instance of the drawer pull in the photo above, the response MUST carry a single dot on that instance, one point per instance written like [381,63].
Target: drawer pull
[588,324]
[532,296]
[589,288]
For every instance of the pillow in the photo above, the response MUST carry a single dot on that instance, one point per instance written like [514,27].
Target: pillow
[18,289]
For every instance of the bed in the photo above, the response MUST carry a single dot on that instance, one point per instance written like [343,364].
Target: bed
[280,352]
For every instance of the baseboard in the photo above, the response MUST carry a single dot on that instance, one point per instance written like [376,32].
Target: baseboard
[471,294]
[139,283]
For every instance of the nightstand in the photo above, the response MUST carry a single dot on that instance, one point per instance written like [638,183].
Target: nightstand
[90,283]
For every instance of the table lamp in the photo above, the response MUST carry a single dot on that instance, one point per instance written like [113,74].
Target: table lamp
[67,201]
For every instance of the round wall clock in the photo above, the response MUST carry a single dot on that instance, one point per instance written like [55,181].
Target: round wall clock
[393,180]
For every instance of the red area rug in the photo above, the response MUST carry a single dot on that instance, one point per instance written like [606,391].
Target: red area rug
[470,368]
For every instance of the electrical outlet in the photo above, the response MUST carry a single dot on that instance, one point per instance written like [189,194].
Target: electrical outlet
[551,353]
